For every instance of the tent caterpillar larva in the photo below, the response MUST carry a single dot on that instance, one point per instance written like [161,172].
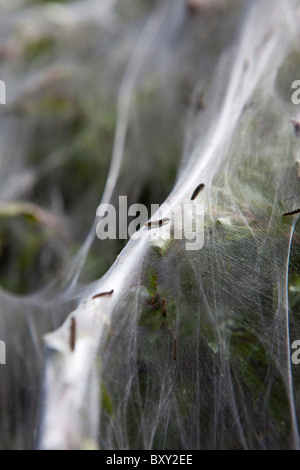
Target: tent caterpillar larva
[197,191]
[102,294]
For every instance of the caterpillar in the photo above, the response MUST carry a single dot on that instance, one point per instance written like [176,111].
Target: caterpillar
[164,307]
[296,211]
[296,126]
[175,349]
[102,294]
[197,191]
[157,223]
[73,334]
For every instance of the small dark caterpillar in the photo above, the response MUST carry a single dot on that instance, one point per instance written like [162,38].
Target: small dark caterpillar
[197,191]
[296,211]
[102,294]
[175,349]
[164,307]
[298,168]
[157,223]
[72,334]
[296,126]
